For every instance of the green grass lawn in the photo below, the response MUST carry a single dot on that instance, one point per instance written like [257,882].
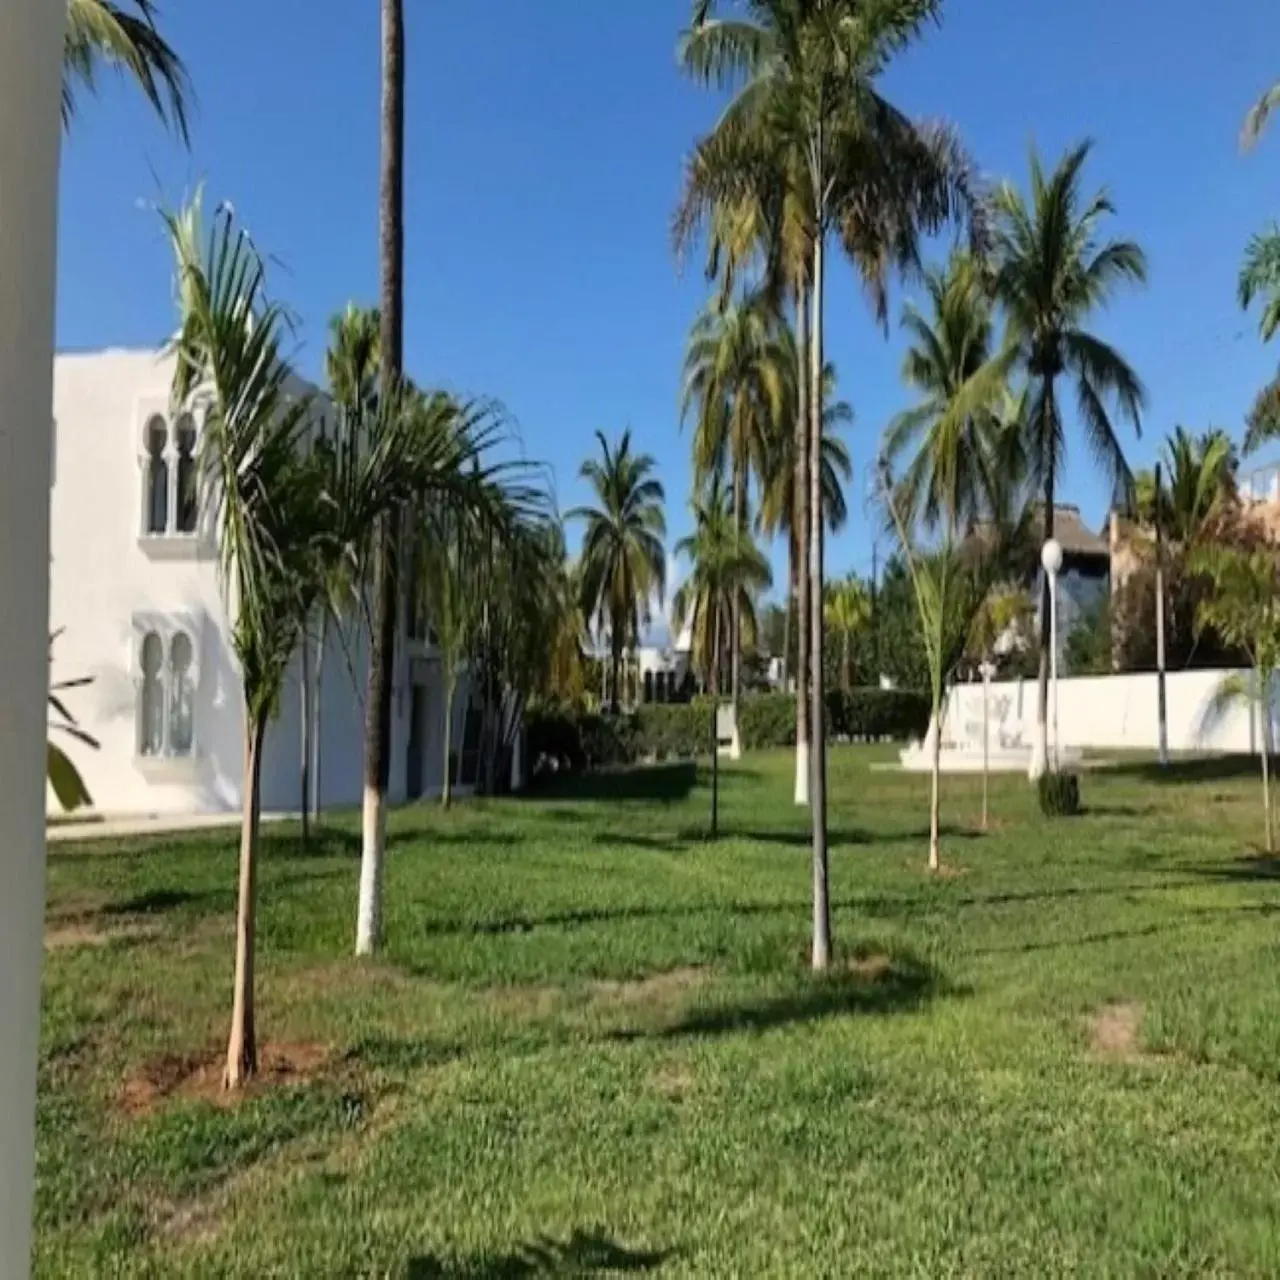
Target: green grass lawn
[592,1045]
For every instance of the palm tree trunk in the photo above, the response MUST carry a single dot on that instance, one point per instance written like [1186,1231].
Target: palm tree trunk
[934,802]
[786,613]
[846,663]
[735,624]
[801,520]
[307,731]
[446,787]
[242,1044]
[615,644]
[817,709]
[317,720]
[1042,703]
[377,771]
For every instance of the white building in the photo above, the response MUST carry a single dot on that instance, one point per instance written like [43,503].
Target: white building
[135,595]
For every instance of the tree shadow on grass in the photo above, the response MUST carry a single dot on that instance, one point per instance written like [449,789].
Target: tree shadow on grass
[1258,868]
[665,782]
[1196,769]
[584,1253]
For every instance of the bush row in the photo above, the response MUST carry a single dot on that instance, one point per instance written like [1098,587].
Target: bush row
[567,738]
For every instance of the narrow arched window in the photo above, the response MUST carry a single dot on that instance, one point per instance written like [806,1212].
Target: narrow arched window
[157,476]
[186,442]
[181,695]
[151,697]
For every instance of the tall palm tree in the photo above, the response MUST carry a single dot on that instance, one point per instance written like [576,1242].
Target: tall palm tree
[377,733]
[808,117]
[727,572]
[623,564]
[1052,272]
[124,36]
[734,376]
[953,473]
[848,612]
[1260,279]
[1259,114]
[1199,479]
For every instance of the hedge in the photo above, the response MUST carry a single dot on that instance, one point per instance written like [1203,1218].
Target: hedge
[566,738]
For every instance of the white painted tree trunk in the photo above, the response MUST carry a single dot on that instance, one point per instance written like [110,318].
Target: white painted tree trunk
[801,517]
[30,61]
[369,911]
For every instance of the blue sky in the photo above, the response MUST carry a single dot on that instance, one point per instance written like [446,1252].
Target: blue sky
[545,140]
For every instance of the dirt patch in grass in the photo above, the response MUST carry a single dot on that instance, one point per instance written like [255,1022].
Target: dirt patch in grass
[870,968]
[84,933]
[199,1077]
[673,1081]
[653,989]
[1114,1032]
[946,871]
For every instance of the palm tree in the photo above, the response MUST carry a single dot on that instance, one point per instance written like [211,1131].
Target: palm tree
[1260,278]
[377,744]
[808,119]
[623,563]
[727,571]
[124,36]
[735,377]
[1199,480]
[848,611]
[228,348]
[1259,114]
[953,475]
[1051,274]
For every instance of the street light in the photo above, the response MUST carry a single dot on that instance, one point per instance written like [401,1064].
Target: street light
[1051,560]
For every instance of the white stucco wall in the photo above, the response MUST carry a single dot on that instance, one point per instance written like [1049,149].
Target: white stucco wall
[1117,712]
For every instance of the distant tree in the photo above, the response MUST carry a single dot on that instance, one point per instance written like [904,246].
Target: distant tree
[623,565]
[127,38]
[847,614]
[1089,644]
[1199,478]
[1244,608]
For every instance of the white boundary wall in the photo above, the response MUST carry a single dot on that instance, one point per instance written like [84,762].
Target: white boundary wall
[1117,712]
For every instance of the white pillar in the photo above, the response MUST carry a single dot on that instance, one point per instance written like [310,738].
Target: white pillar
[30,69]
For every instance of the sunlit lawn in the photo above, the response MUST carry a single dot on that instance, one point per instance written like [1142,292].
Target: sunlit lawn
[592,1043]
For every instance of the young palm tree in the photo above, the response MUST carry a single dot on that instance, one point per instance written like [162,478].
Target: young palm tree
[267,517]
[727,572]
[1051,274]
[848,613]
[953,433]
[1199,480]
[623,562]
[124,36]
[735,376]
[809,118]
[377,745]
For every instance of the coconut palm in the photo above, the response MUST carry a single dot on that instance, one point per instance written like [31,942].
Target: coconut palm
[1260,279]
[1053,271]
[848,612]
[377,730]
[1259,114]
[735,378]
[126,37]
[953,435]
[1199,480]
[727,572]
[623,565]
[808,118]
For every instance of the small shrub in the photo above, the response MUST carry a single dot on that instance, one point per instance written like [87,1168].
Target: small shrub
[1059,794]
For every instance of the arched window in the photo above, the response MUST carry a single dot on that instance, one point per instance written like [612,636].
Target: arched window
[181,695]
[186,442]
[648,686]
[157,476]
[151,701]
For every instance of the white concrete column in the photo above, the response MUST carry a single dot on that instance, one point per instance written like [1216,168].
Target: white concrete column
[30,71]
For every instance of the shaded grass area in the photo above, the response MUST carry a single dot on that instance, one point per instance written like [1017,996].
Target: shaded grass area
[591,1045]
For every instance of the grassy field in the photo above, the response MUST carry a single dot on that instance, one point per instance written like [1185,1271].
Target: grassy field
[592,1045]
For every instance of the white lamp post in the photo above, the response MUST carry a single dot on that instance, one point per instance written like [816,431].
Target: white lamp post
[30,66]
[1051,561]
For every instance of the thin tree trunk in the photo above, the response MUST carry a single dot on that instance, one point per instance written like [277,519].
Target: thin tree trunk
[735,624]
[616,646]
[307,731]
[986,745]
[817,708]
[242,1044]
[786,613]
[1042,703]
[934,802]
[378,710]
[446,789]
[801,519]
[317,722]
[846,663]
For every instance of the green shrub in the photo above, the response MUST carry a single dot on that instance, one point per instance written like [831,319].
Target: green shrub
[767,720]
[673,731]
[870,715]
[1059,794]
